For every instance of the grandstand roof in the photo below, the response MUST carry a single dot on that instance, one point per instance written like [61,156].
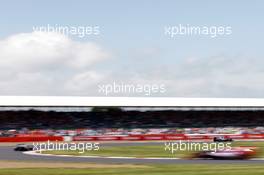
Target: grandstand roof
[181,103]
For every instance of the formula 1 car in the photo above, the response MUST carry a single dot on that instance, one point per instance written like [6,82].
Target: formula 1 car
[23,147]
[239,153]
[222,139]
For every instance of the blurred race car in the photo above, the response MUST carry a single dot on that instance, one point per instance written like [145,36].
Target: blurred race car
[233,153]
[222,139]
[23,147]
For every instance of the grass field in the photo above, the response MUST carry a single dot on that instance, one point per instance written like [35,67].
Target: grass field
[220,169]
[147,151]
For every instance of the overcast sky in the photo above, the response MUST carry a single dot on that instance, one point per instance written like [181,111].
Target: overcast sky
[131,48]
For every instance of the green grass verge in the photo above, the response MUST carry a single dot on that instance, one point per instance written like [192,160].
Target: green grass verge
[146,151]
[183,169]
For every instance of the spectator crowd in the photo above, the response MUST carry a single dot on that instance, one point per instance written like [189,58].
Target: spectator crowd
[119,122]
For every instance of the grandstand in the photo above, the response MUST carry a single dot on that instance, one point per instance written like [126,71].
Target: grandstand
[123,121]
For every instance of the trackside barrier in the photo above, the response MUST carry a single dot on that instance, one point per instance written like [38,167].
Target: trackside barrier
[30,139]
[166,137]
[152,137]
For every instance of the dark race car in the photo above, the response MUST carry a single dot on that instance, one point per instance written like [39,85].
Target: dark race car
[239,153]
[23,147]
[222,139]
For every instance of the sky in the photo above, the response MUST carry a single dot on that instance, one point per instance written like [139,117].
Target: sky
[132,48]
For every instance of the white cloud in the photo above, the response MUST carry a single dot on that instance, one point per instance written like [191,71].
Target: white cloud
[220,76]
[81,82]
[215,76]
[40,63]
[39,49]
[52,64]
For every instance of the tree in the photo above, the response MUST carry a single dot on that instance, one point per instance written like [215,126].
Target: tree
[106,109]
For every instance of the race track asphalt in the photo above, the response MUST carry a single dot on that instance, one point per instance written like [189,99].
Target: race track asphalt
[7,153]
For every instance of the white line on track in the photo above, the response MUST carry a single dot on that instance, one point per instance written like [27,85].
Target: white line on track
[110,157]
